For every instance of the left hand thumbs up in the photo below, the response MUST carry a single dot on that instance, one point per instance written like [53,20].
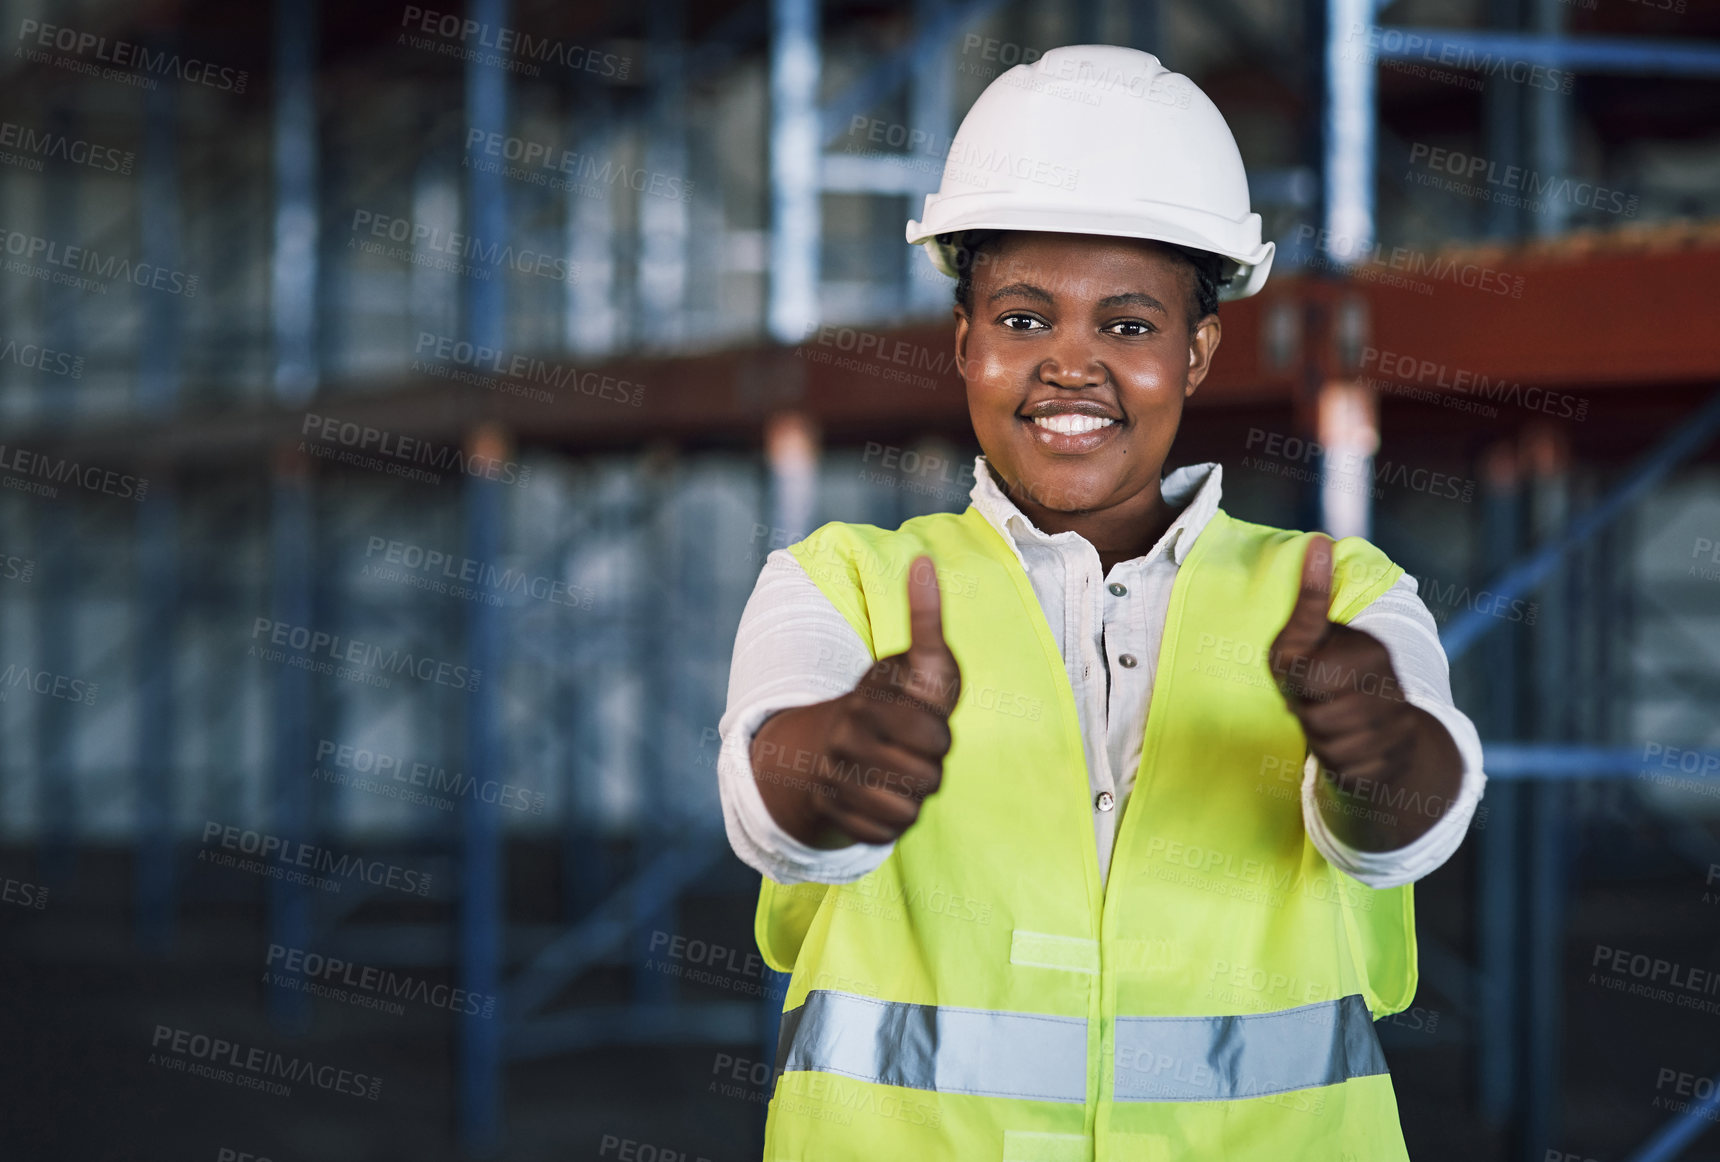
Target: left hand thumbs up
[1308,626]
[1340,684]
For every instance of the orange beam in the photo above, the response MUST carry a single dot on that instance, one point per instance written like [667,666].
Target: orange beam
[1587,317]
[1586,314]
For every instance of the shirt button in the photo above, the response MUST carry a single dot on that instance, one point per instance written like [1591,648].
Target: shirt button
[1127,661]
[1105,801]
[1118,588]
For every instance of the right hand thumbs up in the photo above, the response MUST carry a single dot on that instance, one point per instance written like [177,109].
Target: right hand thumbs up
[890,734]
[932,675]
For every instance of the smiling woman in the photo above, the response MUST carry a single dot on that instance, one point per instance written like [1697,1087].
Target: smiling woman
[1078,352]
[1125,838]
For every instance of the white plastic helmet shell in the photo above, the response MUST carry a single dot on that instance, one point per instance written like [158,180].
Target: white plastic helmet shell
[1099,139]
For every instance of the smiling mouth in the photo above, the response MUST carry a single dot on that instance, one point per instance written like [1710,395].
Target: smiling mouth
[1072,423]
[1072,433]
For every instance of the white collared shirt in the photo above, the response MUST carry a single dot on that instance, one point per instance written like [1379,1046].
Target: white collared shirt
[793,649]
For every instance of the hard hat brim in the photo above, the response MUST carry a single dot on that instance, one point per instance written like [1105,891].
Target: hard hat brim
[1178,226]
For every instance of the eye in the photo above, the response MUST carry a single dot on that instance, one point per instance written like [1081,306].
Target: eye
[1022,321]
[1130,328]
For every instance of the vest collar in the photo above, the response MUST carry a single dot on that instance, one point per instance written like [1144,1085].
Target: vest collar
[1196,489]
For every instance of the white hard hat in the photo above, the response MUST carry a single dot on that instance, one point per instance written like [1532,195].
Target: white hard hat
[1099,139]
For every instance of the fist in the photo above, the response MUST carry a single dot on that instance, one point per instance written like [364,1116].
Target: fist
[1340,684]
[889,735]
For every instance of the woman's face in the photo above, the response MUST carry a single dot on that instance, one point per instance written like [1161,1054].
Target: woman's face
[1078,355]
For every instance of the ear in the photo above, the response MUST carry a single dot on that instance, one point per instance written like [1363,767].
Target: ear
[962,329]
[1202,346]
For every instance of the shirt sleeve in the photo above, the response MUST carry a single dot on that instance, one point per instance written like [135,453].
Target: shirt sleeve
[792,649]
[1401,621]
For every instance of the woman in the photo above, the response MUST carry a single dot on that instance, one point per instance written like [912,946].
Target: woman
[1105,853]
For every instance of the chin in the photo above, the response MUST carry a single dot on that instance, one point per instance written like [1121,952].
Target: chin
[1072,492]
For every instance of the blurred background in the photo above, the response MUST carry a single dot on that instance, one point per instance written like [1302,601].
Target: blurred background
[398,403]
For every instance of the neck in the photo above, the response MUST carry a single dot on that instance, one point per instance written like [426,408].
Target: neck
[1120,532]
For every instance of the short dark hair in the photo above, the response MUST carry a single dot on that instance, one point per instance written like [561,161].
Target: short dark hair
[969,245]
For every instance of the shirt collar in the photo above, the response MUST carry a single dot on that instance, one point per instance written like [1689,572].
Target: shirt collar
[1196,489]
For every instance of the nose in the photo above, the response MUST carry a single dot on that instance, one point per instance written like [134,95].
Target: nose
[1072,363]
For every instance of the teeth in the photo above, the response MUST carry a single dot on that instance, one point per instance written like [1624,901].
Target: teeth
[1070,424]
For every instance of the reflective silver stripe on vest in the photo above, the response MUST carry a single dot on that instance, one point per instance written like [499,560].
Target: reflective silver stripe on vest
[977,1051]
[1043,1058]
[1222,1058]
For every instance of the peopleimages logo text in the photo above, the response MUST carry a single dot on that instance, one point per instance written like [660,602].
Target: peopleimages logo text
[321,859]
[47,143]
[90,477]
[1364,252]
[362,762]
[528,369]
[411,450]
[1474,168]
[32,248]
[305,640]
[126,54]
[264,1063]
[333,971]
[467,246]
[515,43]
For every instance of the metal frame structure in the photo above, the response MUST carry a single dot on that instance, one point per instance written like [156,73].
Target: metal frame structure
[1518,1027]
[798,403]
[1528,892]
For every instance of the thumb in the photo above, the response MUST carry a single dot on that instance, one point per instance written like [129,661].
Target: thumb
[925,609]
[932,672]
[1309,619]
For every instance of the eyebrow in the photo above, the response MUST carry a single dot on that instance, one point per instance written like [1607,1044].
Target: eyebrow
[1040,294]
[1025,290]
[1133,299]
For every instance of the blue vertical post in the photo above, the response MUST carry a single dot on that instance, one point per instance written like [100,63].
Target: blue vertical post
[55,787]
[1550,143]
[1561,627]
[931,96]
[1350,131]
[481,900]
[589,869]
[479,1084]
[1544,994]
[1619,629]
[57,549]
[660,658]
[660,278]
[157,546]
[292,545]
[585,863]
[293,300]
[1088,15]
[1502,125]
[62,306]
[486,196]
[1145,30]
[1300,247]
[662,272]
[593,324]
[157,530]
[290,552]
[1498,1011]
[795,150]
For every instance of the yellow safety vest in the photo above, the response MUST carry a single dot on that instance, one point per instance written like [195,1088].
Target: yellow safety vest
[979,997]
